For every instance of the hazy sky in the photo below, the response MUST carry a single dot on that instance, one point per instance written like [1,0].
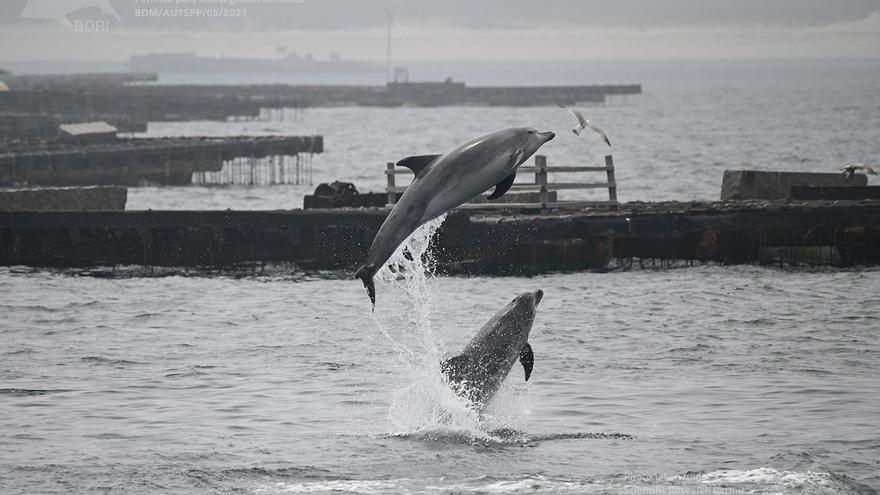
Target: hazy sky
[449,29]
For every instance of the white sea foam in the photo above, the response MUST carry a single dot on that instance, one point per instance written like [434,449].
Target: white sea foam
[366,487]
[771,478]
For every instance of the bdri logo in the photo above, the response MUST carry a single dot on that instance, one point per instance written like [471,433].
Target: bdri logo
[58,10]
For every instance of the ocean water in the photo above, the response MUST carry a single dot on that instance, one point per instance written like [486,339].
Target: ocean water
[709,380]
[694,120]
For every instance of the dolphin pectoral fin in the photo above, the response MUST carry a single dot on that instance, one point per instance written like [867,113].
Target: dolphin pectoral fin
[527,358]
[503,186]
[418,163]
[454,367]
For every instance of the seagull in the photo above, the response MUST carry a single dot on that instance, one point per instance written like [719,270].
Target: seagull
[851,170]
[584,124]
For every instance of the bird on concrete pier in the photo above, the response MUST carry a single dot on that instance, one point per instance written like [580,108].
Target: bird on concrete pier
[585,124]
[854,168]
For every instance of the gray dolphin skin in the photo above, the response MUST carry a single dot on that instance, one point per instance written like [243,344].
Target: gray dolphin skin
[443,182]
[478,372]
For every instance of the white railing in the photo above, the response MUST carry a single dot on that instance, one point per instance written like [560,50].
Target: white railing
[540,185]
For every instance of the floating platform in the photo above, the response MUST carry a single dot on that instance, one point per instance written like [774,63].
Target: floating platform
[137,107]
[77,82]
[221,102]
[20,126]
[840,233]
[133,162]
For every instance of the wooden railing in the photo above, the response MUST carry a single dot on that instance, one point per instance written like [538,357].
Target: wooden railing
[540,185]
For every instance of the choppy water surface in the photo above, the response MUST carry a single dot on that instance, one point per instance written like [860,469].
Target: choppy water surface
[702,380]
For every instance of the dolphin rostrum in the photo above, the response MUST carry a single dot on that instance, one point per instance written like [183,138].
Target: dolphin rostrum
[443,182]
[478,372]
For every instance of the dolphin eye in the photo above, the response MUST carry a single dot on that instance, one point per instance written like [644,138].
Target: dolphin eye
[531,131]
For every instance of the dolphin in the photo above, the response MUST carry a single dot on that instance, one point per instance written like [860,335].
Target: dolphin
[478,372]
[443,182]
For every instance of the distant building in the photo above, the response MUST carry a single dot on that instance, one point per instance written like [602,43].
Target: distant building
[88,132]
[3,87]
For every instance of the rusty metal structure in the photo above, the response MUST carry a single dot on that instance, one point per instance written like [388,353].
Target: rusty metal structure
[134,162]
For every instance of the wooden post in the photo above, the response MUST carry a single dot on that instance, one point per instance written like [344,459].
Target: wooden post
[389,177]
[541,179]
[612,183]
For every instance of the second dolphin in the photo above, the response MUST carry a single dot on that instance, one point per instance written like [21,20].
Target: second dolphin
[478,372]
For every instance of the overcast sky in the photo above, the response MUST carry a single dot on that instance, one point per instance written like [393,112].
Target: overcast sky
[448,29]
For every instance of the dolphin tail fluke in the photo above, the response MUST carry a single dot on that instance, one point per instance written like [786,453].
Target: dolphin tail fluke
[365,273]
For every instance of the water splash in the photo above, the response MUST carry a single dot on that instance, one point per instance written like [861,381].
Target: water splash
[424,403]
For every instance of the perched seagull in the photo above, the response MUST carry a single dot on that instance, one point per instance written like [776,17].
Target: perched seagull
[584,124]
[851,170]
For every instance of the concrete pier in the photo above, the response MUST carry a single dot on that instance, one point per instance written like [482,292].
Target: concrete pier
[822,232]
[166,106]
[45,126]
[77,82]
[756,184]
[220,102]
[103,198]
[133,162]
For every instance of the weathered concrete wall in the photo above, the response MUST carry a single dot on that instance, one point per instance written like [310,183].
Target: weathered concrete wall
[111,198]
[847,193]
[736,232]
[25,125]
[520,197]
[372,199]
[754,184]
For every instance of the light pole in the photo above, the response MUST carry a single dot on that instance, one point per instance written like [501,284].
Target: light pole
[388,46]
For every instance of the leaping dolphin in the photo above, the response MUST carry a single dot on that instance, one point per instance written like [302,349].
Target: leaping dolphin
[478,372]
[443,182]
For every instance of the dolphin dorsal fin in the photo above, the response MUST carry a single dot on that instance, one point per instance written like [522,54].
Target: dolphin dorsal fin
[527,358]
[503,186]
[417,163]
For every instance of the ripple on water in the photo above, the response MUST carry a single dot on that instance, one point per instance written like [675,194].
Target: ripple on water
[27,392]
[108,361]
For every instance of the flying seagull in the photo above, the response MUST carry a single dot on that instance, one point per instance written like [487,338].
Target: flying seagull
[851,170]
[584,124]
